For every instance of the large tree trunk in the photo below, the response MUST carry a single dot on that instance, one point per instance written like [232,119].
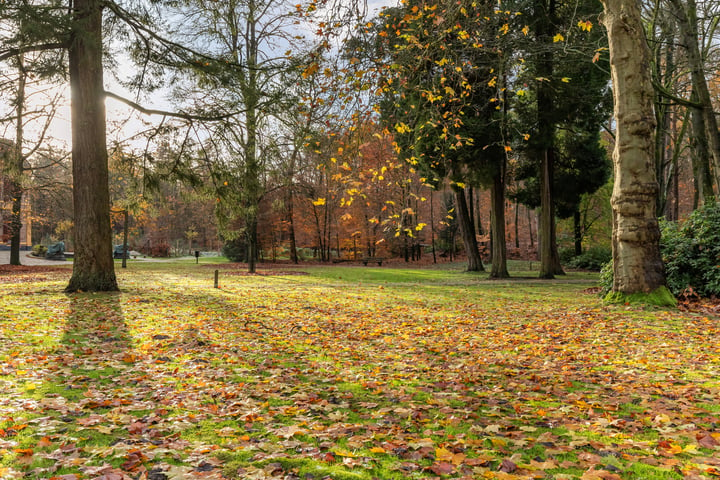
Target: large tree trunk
[93,268]
[497,227]
[468,233]
[637,265]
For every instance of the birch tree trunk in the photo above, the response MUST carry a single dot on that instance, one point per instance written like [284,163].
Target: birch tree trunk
[637,265]
[93,266]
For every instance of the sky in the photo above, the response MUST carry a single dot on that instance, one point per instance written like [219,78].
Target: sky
[122,122]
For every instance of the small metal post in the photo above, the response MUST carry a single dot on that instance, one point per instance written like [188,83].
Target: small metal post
[217,273]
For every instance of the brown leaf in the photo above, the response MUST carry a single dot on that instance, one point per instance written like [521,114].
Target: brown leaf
[507,466]
[44,442]
[136,428]
[706,440]
[442,468]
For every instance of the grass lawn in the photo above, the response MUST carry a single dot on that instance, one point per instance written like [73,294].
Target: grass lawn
[350,372]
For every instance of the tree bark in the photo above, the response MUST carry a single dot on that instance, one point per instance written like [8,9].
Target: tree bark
[578,231]
[290,206]
[468,233]
[549,259]
[126,221]
[432,227]
[93,266]
[497,227]
[252,162]
[687,21]
[701,156]
[637,264]
[16,168]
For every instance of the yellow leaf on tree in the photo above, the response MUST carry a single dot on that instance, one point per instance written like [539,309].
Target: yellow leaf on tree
[525,30]
[558,38]
[402,128]
[585,26]
[319,202]
[310,70]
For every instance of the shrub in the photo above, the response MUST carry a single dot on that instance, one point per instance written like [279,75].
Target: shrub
[235,250]
[39,250]
[691,252]
[566,255]
[591,259]
[606,278]
[160,249]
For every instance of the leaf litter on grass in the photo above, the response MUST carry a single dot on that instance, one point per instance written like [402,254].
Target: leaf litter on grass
[300,377]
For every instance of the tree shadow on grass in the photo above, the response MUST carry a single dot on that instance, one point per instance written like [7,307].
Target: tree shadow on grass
[95,325]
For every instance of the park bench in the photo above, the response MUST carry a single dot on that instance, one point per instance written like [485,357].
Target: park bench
[377,260]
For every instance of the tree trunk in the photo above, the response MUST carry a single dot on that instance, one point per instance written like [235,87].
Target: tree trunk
[126,220]
[291,227]
[549,258]
[530,227]
[252,163]
[93,266]
[665,72]
[637,265]
[517,224]
[15,222]
[687,21]
[432,227]
[16,170]
[468,233]
[497,227]
[578,231]
[701,156]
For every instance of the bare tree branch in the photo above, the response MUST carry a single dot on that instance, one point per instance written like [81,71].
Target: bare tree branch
[166,113]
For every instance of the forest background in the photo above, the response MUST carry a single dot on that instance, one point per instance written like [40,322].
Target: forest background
[309,143]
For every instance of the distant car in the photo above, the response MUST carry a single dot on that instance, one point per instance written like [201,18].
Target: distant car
[118,252]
